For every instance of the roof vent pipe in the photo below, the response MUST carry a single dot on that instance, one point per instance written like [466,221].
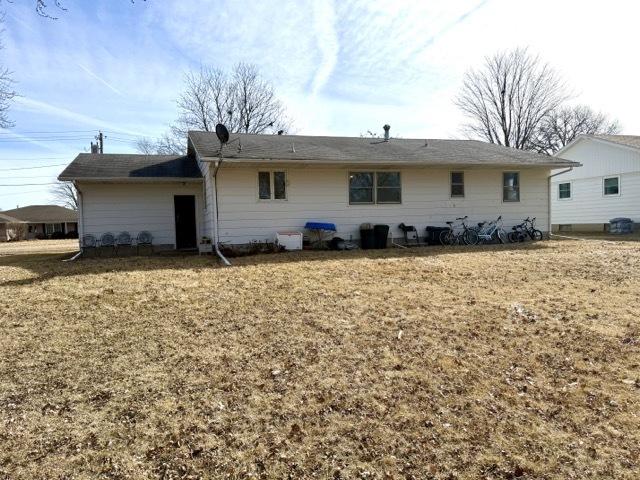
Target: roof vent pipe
[386,132]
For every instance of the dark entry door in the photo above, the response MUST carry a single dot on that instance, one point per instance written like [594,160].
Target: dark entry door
[185,210]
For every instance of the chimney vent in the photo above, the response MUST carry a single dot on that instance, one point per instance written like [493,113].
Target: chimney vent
[386,132]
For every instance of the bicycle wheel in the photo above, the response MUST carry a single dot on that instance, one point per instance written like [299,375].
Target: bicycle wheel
[447,237]
[470,237]
[535,234]
[502,236]
[512,237]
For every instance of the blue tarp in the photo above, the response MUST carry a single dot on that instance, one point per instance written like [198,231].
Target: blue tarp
[331,227]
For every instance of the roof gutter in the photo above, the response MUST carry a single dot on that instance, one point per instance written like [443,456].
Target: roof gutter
[388,163]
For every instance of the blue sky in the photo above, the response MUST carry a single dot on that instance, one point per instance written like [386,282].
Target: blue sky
[340,67]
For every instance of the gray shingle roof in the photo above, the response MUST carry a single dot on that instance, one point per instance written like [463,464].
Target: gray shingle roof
[299,148]
[129,166]
[43,214]
[9,219]
[627,140]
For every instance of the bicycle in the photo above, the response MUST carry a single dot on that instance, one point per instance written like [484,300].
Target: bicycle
[518,234]
[468,236]
[530,228]
[492,232]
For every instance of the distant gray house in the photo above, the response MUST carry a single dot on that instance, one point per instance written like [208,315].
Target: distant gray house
[45,221]
[266,184]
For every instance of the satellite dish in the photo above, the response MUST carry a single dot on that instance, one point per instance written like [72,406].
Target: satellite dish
[222,133]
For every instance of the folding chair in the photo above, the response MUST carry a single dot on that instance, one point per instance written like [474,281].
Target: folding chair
[107,240]
[410,234]
[123,240]
[88,244]
[144,238]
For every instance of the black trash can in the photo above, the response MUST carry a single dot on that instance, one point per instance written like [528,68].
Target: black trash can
[380,233]
[366,236]
[433,235]
[620,225]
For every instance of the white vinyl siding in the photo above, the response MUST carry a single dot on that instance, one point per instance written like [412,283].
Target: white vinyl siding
[133,207]
[589,205]
[317,193]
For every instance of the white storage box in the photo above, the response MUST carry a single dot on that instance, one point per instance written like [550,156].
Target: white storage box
[289,240]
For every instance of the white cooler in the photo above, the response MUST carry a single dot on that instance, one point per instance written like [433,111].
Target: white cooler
[289,240]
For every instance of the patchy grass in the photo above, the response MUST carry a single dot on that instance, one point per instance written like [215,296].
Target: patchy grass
[519,362]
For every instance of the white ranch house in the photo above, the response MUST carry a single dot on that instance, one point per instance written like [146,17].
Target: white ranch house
[271,183]
[607,186]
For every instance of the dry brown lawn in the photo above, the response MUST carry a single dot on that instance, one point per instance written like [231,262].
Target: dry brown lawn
[38,246]
[519,362]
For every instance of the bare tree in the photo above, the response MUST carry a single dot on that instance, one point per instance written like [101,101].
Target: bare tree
[242,100]
[168,144]
[6,90]
[65,193]
[508,98]
[42,7]
[561,126]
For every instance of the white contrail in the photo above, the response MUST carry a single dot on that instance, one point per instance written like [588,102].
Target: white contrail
[324,17]
[101,80]
[31,105]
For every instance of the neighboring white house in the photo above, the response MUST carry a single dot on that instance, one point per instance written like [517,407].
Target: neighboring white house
[271,183]
[607,186]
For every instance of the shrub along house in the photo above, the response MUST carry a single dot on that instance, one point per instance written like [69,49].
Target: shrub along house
[270,183]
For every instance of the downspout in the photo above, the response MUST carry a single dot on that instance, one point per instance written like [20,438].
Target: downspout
[216,236]
[549,194]
[80,224]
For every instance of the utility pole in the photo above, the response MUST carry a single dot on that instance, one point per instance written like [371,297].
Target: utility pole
[100,146]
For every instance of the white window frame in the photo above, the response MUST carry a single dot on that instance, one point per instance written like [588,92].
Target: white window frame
[570,191]
[464,187]
[272,191]
[604,194]
[374,188]
[519,186]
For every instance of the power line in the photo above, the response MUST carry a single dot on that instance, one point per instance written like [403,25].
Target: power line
[19,193]
[34,158]
[34,176]
[26,184]
[47,132]
[48,139]
[32,168]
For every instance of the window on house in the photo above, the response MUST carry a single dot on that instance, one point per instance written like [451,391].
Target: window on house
[564,191]
[510,187]
[272,185]
[388,187]
[361,187]
[612,186]
[457,184]
[374,187]
[279,186]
